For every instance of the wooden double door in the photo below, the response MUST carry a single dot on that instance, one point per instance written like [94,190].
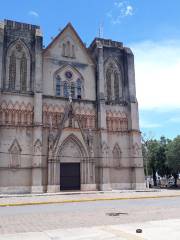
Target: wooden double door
[70,176]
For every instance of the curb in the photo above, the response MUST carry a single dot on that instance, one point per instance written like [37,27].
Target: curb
[84,200]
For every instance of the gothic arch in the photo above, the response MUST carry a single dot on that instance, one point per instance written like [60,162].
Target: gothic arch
[71,150]
[116,155]
[15,154]
[114,80]
[74,82]
[18,67]
[68,48]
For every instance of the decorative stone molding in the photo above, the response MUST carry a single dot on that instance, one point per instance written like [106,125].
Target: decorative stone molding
[37,147]
[116,156]
[136,149]
[116,121]
[16,114]
[53,116]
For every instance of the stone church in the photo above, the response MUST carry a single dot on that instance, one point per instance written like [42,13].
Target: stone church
[68,113]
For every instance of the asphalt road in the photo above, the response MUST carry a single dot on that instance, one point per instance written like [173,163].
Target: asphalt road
[84,214]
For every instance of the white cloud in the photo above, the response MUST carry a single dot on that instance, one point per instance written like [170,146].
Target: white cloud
[129,11]
[33,13]
[121,10]
[157,66]
[145,124]
[175,120]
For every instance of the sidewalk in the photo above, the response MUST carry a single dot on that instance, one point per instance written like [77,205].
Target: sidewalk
[68,197]
[153,230]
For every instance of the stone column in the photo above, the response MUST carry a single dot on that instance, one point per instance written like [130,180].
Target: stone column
[53,168]
[53,176]
[37,184]
[131,75]
[88,174]
[136,161]
[104,174]
[1,53]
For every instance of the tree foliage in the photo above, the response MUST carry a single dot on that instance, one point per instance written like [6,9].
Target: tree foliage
[155,157]
[173,157]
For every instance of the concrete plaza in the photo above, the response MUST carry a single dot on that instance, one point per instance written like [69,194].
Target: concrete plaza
[91,216]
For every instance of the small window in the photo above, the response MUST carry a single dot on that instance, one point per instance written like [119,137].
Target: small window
[12,71]
[58,86]
[73,51]
[66,92]
[72,90]
[68,49]
[79,89]
[64,50]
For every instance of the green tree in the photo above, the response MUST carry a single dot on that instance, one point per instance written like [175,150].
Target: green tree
[173,157]
[152,150]
[154,155]
[162,165]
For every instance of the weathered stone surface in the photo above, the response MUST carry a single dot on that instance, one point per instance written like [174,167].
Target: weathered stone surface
[66,104]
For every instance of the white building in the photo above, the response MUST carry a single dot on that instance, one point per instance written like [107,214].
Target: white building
[68,114]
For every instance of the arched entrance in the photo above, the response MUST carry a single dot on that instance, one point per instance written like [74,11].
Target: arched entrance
[71,168]
[72,157]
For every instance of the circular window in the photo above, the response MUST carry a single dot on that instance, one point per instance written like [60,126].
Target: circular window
[68,74]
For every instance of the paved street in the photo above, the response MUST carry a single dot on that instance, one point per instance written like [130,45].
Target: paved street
[39,218]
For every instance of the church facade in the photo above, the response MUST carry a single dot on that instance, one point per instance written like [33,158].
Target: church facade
[68,113]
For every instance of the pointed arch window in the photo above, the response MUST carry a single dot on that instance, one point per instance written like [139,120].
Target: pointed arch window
[72,90]
[116,156]
[68,81]
[12,71]
[58,86]
[109,84]
[18,66]
[66,92]
[68,49]
[15,154]
[64,49]
[79,88]
[23,73]
[73,51]
[116,86]
[113,81]
[15,157]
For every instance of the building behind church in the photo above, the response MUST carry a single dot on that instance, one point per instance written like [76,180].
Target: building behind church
[68,113]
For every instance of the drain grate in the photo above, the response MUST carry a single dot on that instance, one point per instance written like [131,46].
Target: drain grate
[115,214]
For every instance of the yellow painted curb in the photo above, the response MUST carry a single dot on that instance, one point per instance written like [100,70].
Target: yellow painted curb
[84,200]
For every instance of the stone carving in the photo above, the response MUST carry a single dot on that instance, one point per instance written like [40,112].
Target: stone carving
[136,149]
[53,115]
[116,155]
[71,150]
[15,154]
[104,148]
[37,147]
[89,140]
[19,47]
[51,141]
[116,121]
[16,114]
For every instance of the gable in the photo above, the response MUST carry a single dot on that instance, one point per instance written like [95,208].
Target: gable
[68,46]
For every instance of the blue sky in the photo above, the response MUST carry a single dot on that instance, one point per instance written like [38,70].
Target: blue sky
[150,27]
